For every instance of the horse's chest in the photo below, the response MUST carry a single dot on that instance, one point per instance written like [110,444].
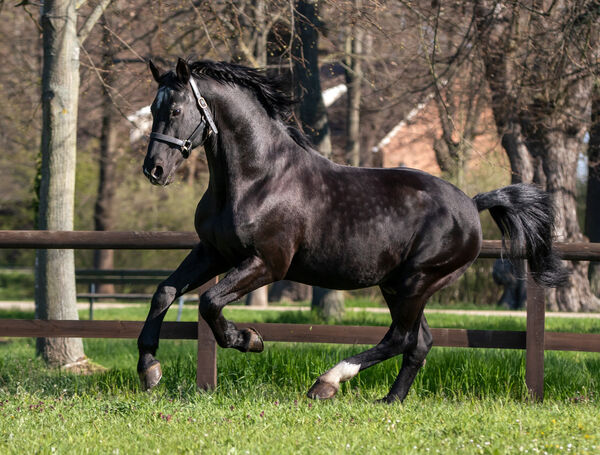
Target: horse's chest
[226,233]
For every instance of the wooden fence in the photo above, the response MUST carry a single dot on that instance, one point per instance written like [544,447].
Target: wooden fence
[535,340]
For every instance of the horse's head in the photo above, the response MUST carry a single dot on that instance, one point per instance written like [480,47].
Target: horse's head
[181,121]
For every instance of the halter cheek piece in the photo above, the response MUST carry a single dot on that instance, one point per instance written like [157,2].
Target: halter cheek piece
[186,146]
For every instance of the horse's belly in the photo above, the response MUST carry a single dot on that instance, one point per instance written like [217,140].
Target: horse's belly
[327,279]
[341,272]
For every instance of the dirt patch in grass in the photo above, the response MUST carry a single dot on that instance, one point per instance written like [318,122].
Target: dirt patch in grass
[84,367]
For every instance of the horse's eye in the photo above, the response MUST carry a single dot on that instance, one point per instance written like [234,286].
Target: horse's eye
[176,112]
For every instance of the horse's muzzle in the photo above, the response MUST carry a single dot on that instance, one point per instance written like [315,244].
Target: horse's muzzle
[155,175]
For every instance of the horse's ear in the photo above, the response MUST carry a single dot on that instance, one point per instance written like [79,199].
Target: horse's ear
[154,70]
[183,71]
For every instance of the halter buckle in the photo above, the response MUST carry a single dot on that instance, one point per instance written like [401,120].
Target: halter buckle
[186,148]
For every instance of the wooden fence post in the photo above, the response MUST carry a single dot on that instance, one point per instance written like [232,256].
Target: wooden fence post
[206,372]
[206,368]
[534,366]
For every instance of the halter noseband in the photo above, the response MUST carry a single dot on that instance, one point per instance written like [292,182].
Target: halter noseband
[185,146]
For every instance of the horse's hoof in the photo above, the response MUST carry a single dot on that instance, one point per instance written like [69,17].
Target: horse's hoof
[253,340]
[151,376]
[322,390]
[388,399]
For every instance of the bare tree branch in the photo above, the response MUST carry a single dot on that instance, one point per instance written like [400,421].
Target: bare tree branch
[91,21]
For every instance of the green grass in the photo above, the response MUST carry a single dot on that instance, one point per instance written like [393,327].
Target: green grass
[16,284]
[467,400]
[472,401]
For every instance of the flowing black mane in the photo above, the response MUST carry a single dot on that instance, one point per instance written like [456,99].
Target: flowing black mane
[270,91]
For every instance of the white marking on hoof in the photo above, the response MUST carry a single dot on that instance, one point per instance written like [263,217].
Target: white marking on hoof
[342,372]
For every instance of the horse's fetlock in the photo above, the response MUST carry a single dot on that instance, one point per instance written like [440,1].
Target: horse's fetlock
[145,361]
[146,348]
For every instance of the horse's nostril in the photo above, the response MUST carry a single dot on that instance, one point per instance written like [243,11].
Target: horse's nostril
[157,172]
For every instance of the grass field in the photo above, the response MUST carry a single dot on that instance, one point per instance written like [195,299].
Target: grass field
[464,400]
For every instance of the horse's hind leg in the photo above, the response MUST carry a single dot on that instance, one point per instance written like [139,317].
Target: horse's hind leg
[409,334]
[403,336]
[421,286]
[413,359]
[197,268]
[392,344]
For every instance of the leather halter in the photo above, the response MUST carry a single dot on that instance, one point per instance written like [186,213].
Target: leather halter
[186,146]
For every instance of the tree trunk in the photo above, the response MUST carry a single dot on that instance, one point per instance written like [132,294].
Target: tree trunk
[55,294]
[313,116]
[521,163]
[258,297]
[560,165]
[104,208]
[260,21]
[354,76]
[592,207]
[289,291]
[328,304]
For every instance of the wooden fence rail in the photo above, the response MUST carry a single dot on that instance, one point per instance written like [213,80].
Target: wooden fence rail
[139,240]
[535,340]
[298,333]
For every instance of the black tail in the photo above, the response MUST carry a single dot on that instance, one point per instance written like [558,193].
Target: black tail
[525,214]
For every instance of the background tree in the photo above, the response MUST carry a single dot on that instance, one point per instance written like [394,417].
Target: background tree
[457,85]
[313,116]
[21,58]
[592,205]
[412,52]
[539,63]
[104,208]
[354,76]
[306,76]
[55,295]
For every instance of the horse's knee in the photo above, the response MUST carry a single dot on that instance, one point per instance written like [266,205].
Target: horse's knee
[163,297]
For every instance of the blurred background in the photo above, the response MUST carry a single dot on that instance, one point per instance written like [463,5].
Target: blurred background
[480,93]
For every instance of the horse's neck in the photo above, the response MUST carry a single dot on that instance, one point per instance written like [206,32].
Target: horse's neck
[250,147]
[247,154]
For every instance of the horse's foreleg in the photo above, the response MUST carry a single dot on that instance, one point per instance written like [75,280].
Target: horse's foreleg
[246,277]
[198,267]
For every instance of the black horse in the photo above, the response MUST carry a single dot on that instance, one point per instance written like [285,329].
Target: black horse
[275,209]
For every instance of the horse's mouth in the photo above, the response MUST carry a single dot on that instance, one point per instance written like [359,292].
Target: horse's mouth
[158,181]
